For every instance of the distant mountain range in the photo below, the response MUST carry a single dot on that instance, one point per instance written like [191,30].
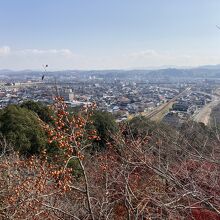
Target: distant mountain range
[208,71]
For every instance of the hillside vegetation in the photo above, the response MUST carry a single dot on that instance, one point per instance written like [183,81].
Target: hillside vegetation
[215,116]
[57,163]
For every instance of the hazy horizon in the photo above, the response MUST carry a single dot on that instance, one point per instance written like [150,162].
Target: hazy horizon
[113,69]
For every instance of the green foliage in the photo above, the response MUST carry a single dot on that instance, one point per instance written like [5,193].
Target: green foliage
[44,113]
[189,136]
[140,126]
[21,127]
[40,109]
[77,169]
[105,125]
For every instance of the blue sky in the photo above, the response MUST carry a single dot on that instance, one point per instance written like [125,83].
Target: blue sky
[105,34]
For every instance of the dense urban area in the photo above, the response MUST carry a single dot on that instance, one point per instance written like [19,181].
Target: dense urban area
[170,95]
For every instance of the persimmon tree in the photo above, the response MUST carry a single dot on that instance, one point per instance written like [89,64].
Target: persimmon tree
[28,181]
[73,134]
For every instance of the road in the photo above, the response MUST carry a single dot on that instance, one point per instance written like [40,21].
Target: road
[204,114]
